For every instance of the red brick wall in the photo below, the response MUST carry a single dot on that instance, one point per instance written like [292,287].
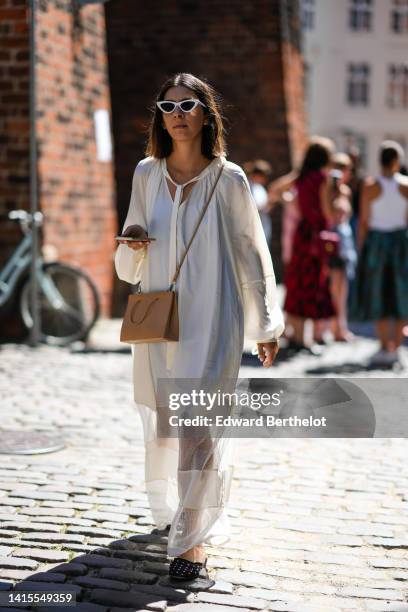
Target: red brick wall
[14,113]
[294,94]
[296,132]
[293,71]
[76,191]
[241,47]
[249,51]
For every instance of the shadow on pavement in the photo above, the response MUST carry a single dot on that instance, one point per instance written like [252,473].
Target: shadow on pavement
[351,368]
[87,350]
[127,573]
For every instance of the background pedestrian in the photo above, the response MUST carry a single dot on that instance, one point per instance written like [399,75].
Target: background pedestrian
[307,274]
[381,291]
[342,264]
[259,173]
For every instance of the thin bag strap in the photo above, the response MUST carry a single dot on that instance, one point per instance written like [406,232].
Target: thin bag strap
[177,272]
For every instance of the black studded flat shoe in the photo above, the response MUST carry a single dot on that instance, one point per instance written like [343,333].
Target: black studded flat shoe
[157,531]
[182,569]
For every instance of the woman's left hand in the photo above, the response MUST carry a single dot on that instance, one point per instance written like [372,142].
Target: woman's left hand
[267,352]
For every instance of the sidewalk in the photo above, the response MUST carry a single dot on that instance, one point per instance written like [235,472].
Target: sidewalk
[318,524]
[337,359]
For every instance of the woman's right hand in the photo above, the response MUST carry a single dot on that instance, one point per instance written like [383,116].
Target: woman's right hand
[136,231]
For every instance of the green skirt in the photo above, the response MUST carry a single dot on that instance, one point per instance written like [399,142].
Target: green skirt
[381,283]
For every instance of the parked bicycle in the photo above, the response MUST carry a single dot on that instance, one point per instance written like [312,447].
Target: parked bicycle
[68,299]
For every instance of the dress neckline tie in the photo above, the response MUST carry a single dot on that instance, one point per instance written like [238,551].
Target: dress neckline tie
[179,186]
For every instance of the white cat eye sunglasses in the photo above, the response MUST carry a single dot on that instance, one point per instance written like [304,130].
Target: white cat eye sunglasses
[186,106]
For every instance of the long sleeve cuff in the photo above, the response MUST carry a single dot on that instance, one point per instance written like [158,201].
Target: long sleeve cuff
[264,319]
[128,263]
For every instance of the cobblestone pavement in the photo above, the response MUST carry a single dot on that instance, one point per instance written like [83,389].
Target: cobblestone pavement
[318,524]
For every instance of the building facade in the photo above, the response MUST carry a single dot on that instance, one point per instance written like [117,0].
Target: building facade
[98,69]
[356,72]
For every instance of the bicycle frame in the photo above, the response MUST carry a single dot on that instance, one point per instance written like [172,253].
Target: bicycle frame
[15,268]
[60,299]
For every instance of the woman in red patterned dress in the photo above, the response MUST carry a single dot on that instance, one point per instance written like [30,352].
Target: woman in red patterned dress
[307,274]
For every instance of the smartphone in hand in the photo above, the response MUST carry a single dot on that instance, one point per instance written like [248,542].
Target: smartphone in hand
[132,239]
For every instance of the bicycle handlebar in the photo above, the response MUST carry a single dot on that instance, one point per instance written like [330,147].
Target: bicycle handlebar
[26,219]
[16,215]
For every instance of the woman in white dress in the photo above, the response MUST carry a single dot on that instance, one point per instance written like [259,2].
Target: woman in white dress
[226,288]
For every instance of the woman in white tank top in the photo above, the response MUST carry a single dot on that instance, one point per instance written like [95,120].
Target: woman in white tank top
[381,289]
[388,212]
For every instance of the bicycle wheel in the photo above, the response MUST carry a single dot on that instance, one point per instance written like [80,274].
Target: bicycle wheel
[68,302]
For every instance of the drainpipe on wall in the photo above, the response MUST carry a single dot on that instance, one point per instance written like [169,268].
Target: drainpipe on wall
[35,216]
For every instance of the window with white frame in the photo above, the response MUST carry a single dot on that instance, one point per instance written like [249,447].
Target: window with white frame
[308,14]
[399,16]
[361,15]
[397,86]
[358,84]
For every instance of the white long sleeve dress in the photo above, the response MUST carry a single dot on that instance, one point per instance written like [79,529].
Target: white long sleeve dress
[226,288]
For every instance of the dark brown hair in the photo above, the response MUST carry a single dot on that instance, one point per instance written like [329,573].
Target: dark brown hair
[317,156]
[390,151]
[160,143]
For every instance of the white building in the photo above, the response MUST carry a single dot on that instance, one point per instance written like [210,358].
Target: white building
[356,72]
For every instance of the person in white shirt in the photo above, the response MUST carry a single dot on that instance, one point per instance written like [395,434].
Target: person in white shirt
[226,288]
[381,288]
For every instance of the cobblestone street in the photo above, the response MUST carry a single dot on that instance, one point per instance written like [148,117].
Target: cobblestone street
[318,524]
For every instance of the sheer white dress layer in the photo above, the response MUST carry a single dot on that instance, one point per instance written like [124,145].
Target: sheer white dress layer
[226,288]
